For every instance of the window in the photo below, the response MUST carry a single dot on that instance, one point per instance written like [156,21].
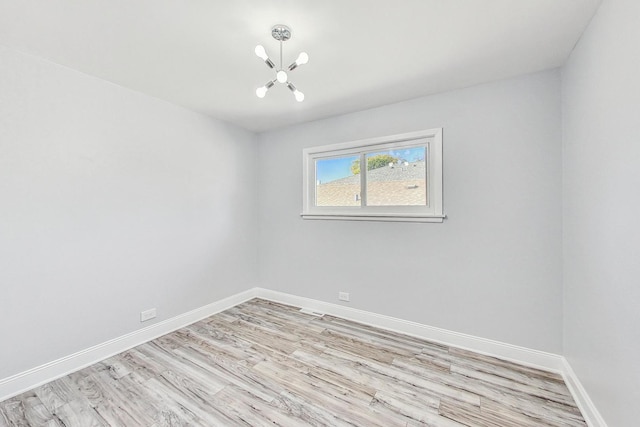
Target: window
[402,179]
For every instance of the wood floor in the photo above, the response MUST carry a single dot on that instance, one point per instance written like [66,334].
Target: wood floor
[263,363]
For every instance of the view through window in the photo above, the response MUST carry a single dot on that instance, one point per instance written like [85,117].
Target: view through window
[336,184]
[393,178]
[397,177]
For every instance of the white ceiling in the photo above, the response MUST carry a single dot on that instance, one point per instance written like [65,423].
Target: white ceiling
[363,53]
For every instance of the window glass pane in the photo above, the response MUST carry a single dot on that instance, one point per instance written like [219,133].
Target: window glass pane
[337,184]
[397,177]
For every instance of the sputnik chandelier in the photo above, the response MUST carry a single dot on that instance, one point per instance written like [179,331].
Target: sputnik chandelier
[281,33]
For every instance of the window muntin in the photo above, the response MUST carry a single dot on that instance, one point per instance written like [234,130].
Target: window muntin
[410,189]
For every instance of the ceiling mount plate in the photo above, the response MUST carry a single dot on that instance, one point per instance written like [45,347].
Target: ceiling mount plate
[282,33]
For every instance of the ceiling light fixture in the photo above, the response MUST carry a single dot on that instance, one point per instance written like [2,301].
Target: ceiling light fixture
[281,33]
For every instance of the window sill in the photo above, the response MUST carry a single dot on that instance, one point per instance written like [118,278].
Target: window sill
[375,217]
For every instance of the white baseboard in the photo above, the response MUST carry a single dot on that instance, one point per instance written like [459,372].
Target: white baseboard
[19,383]
[588,409]
[37,376]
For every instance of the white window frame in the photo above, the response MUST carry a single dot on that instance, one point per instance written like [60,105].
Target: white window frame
[433,212]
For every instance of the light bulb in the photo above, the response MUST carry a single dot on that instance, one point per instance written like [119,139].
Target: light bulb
[299,95]
[303,58]
[261,92]
[262,54]
[281,76]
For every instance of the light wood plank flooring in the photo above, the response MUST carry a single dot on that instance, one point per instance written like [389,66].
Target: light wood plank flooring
[263,363]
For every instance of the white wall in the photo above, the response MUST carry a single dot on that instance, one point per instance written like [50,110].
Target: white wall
[111,202]
[601,104]
[492,269]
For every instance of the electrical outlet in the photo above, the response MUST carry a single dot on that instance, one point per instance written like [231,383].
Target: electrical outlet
[343,296]
[147,314]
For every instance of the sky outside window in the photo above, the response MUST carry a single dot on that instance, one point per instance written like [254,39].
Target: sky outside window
[331,169]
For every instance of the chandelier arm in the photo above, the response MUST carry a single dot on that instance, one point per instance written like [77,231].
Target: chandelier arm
[298,95]
[262,91]
[262,54]
[269,63]
[293,66]
[302,59]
